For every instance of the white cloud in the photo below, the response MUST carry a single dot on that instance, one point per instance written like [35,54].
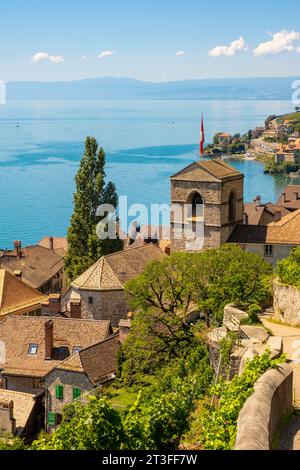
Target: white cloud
[283,41]
[180,53]
[43,56]
[234,47]
[106,54]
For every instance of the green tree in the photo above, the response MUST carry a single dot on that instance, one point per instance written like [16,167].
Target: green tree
[84,247]
[288,269]
[91,426]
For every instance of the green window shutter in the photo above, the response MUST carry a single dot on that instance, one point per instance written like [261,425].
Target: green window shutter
[52,419]
[76,393]
[59,392]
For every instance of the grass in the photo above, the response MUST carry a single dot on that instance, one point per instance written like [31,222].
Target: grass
[123,398]
[290,117]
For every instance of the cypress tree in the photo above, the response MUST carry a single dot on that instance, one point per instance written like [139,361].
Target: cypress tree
[84,247]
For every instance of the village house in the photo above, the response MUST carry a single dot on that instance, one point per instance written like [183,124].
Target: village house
[21,414]
[41,267]
[81,373]
[31,346]
[224,138]
[258,132]
[17,297]
[289,200]
[258,213]
[99,291]
[272,242]
[57,244]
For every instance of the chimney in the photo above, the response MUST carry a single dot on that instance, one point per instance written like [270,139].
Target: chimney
[17,248]
[18,273]
[48,340]
[296,195]
[258,201]
[51,243]
[54,304]
[284,196]
[245,218]
[75,308]
[124,329]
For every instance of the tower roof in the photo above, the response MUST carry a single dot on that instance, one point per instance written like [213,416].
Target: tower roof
[207,170]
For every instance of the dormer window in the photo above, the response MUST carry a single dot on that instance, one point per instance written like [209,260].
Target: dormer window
[33,349]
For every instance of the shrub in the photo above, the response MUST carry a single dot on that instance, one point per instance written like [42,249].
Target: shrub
[288,269]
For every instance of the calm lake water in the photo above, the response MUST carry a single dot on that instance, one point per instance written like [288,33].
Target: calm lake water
[41,144]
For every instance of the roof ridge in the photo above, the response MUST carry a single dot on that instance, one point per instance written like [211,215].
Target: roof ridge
[113,336]
[128,249]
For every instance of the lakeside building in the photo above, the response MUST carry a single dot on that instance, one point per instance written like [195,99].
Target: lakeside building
[57,244]
[17,297]
[99,291]
[31,346]
[41,267]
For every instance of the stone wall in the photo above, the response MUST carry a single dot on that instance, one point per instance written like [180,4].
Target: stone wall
[286,303]
[260,418]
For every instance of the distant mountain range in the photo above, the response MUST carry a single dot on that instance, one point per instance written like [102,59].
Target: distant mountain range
[127,88]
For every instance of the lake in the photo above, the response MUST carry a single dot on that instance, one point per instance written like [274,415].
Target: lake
[41,144]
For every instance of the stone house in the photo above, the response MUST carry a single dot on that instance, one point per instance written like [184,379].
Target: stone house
[57,244]
[31,346]
[100,289]
[80,374]
[21,414]
[17,297]
[274,241]
[42,268]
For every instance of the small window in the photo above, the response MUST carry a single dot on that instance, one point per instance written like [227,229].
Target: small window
[33,349]
[59,392]
[91,300]
[269,251]
[76,349]
[76,393]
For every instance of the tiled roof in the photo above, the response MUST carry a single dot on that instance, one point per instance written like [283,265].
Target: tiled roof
[17,332]
[38,264]
[23,406]
[289,201]
[207,170]
[98,361]
[286,232]
[17,296]
[60,244]
[111,272]
[255,212]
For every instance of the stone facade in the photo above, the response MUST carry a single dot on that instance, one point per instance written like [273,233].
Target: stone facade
[99,305]
[260,418]
[215,195]
[279,251]
[286,304]
[68,380]
[22,384]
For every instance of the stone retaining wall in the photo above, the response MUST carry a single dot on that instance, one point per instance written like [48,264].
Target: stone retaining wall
[260,418]
[286,304]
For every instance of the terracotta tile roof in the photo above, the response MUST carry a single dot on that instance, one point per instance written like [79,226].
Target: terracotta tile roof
[38,264]
[16,296]
[60,244]
[286,232]
[289,201]
[207,170]
[23,406]
[98,362]
[111,272]
[255,212]
[17,332]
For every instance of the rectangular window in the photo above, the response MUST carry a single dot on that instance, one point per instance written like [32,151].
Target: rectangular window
[269,250]
[32,349]
[51,419]
[59,392]
[76,393]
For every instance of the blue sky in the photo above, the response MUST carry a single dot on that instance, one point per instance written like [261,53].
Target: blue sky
[62,40]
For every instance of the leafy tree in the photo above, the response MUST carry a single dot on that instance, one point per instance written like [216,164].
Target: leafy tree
[91,426]
[10,442]
[84,247]
[288,269]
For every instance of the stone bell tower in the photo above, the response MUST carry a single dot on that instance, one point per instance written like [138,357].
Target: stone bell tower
[216,188]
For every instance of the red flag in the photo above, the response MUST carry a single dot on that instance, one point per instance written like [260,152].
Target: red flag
[202,137]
